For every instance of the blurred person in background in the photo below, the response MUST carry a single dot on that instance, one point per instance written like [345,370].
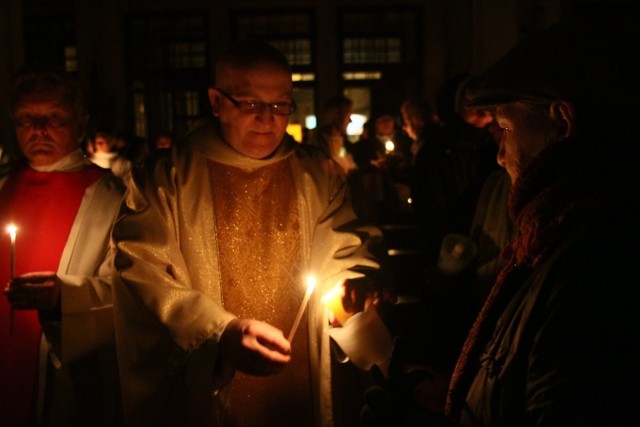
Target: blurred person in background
[163,140]
[106,154]
[464,134]
[331,134]
[383,160]
[429,175]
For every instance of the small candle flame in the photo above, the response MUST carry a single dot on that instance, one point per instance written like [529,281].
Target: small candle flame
[12,229]
[332,293]
[333,301]
[389,146]
[311,283]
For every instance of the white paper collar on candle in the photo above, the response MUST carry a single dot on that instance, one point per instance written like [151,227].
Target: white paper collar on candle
[365,340]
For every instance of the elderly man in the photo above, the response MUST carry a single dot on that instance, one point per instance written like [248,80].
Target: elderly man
[557,341]
[63,208]
[217,233]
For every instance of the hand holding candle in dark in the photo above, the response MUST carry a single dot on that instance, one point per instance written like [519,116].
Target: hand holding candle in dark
[34,291]
[348,298]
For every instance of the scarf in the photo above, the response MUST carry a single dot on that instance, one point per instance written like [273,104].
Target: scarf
[566,185]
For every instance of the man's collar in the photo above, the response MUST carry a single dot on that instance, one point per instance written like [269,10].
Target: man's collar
[72,162]
[206,140]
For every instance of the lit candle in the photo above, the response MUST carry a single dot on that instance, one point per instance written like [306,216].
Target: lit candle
[333,301]
[389,146]
[311,283]
[11,229]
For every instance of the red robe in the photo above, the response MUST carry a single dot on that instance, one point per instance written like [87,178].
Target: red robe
[43,206]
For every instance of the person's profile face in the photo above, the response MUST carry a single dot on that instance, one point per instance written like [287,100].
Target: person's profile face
[255,135]
[47,128]
[408,128]
[525,133]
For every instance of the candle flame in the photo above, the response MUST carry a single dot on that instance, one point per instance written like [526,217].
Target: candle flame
[332,293]
[333,302]
[12,229]
[389,146]
[311,283]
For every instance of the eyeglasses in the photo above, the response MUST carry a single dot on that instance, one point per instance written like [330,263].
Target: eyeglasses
[257,107]
[51,122]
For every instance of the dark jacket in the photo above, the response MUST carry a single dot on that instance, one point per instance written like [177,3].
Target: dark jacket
[561,344]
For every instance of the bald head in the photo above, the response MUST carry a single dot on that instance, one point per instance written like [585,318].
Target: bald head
[256,74]
[247,55]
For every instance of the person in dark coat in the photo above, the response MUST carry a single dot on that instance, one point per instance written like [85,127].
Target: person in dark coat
[557,341]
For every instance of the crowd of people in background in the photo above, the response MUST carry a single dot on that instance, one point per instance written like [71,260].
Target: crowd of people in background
[135,299]
[119,151]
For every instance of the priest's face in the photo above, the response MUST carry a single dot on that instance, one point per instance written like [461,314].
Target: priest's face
[47,128]
[526,130]
[256,132]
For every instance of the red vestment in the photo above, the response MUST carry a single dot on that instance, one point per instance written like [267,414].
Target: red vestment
[43,206]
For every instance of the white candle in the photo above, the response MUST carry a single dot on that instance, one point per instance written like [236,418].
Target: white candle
[11,229]
[311,283]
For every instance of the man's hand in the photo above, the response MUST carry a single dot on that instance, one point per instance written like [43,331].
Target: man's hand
[255,347]
[34,291]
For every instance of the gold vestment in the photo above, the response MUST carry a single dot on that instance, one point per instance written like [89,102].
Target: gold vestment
[170,303]
[258,228]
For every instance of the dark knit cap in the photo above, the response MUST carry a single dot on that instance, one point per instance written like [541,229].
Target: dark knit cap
[591,62]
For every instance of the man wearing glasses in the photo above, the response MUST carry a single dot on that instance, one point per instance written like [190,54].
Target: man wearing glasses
[219,233]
